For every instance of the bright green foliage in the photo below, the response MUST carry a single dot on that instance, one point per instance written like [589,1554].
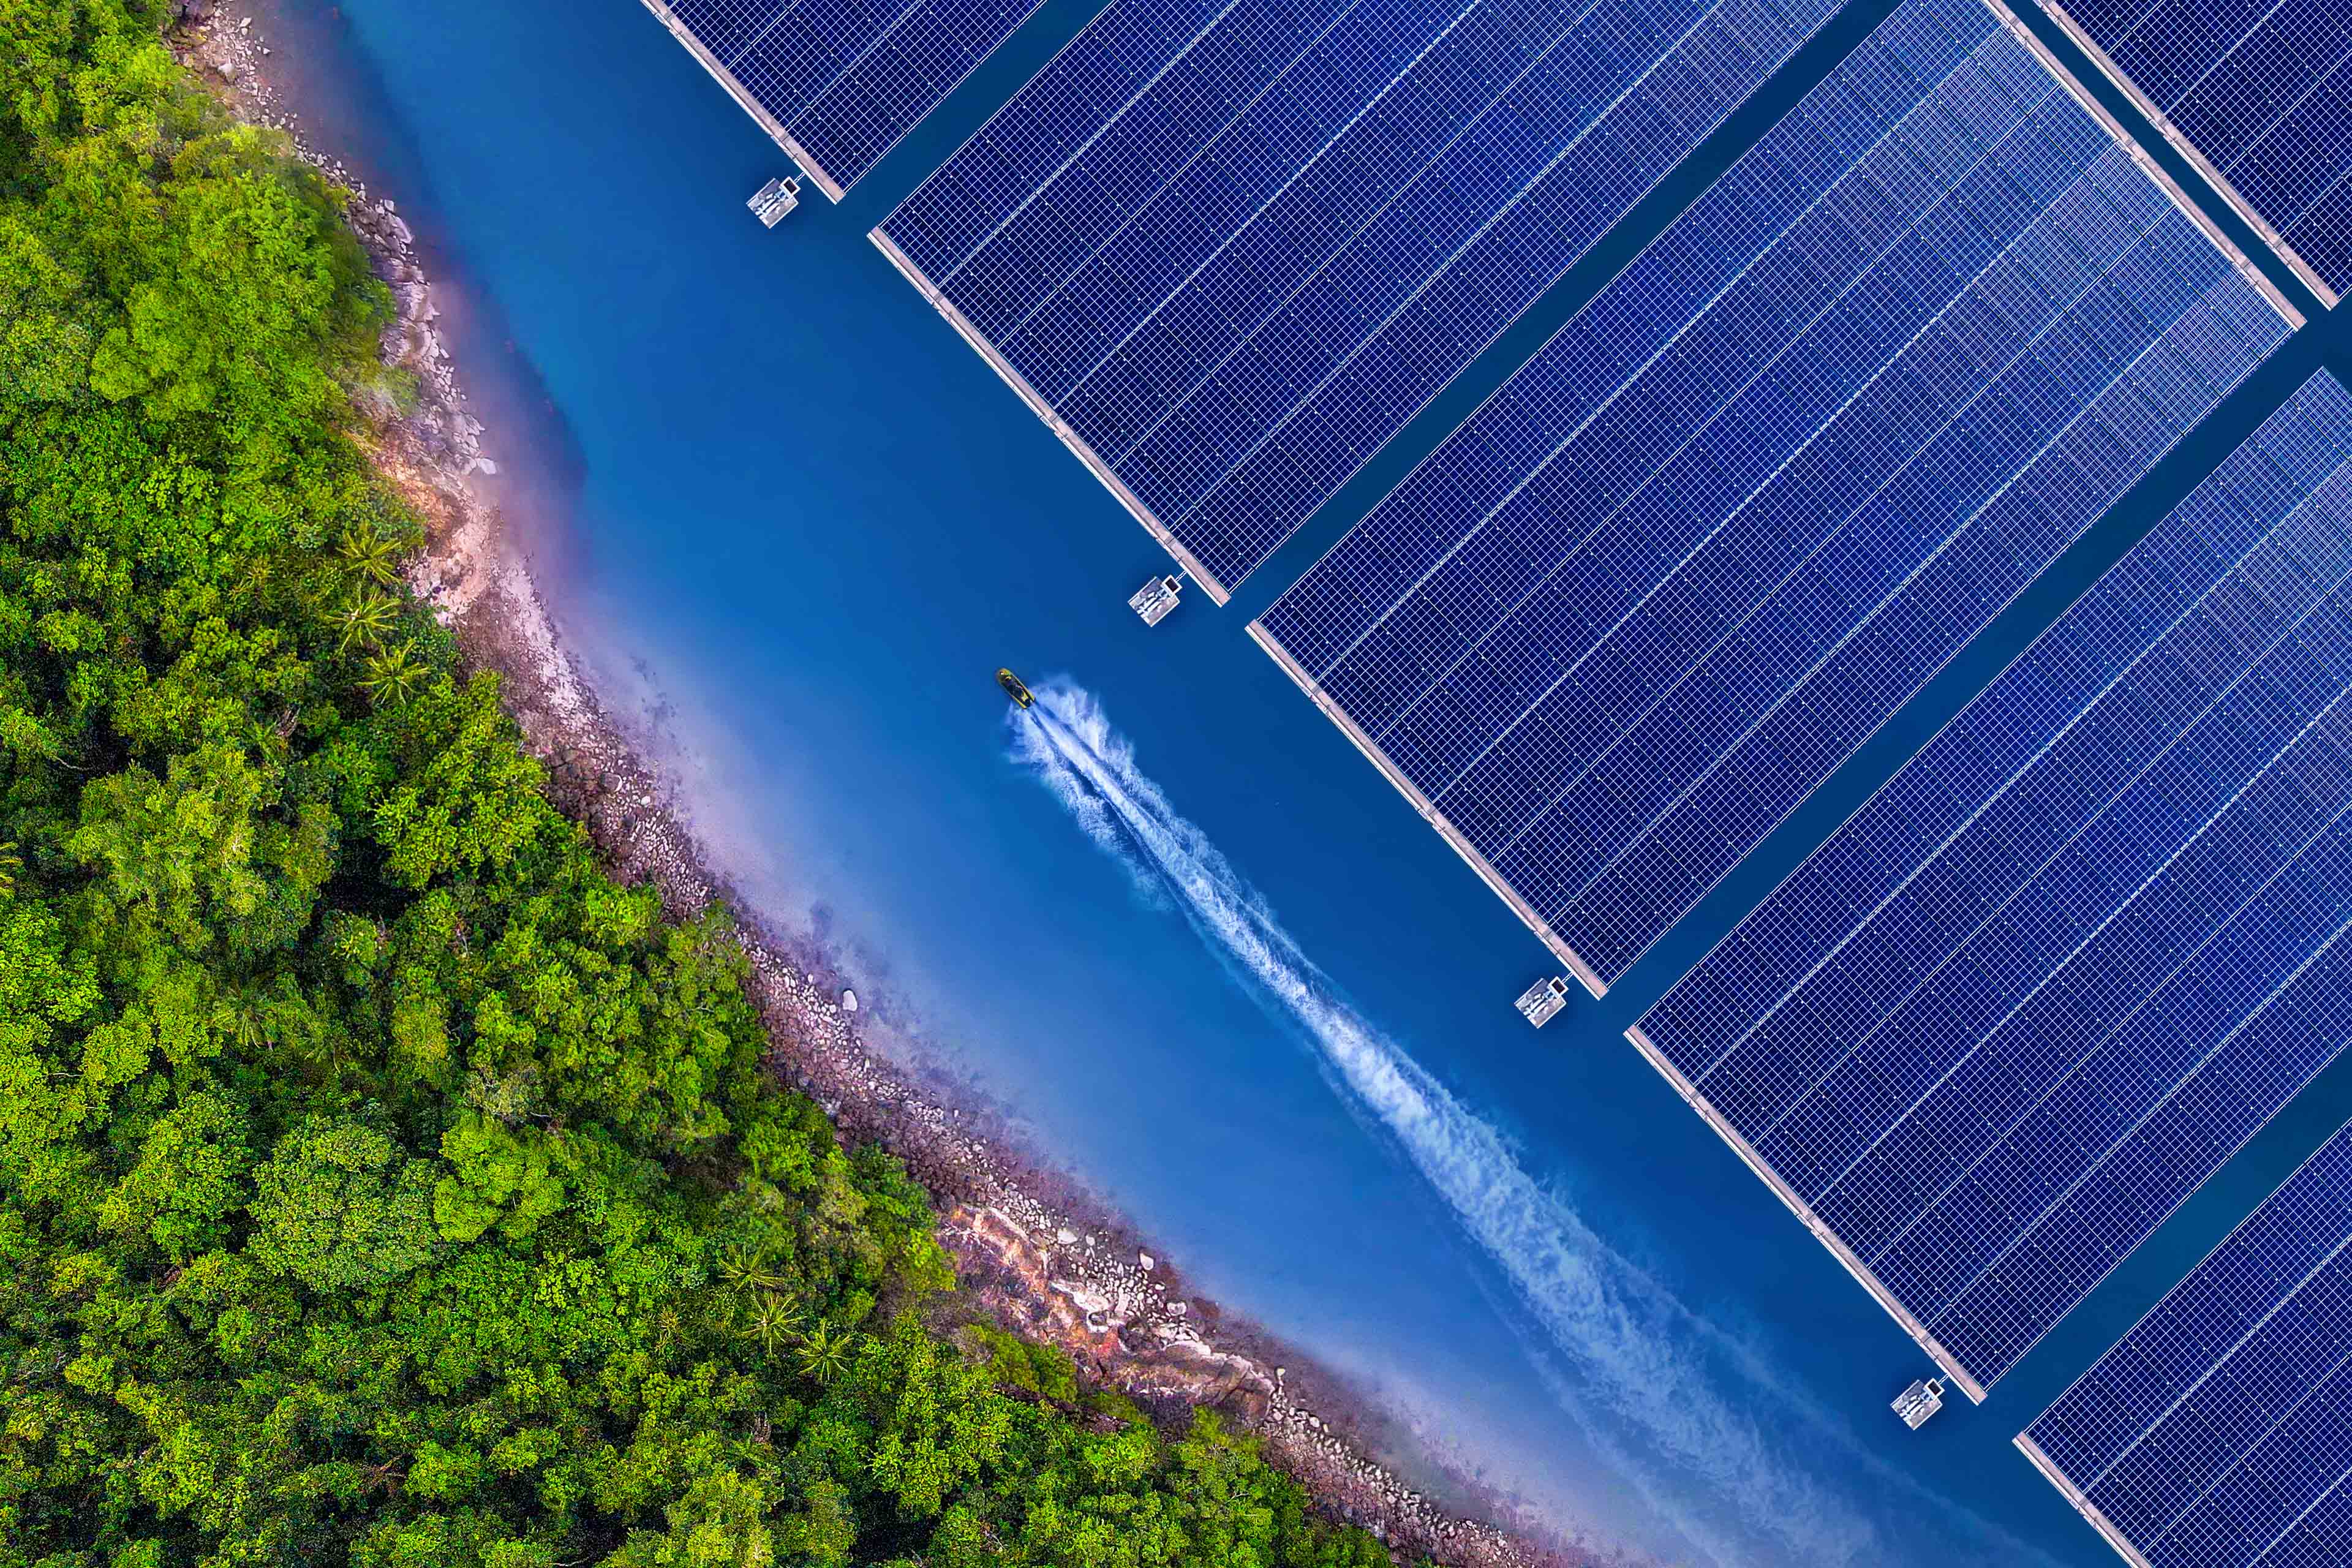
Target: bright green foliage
[379,1183]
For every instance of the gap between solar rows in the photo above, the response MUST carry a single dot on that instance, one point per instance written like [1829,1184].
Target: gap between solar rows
[1771,478]
[2257,95]
[1226,253]
[2084,944]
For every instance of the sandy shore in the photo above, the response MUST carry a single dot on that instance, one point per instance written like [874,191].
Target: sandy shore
[1039,1253]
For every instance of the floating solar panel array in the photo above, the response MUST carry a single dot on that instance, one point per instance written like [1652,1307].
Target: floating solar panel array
[2084,944]
[2218,1433]
[2258,93]
[838,83]
[1768,480]
[1227,251]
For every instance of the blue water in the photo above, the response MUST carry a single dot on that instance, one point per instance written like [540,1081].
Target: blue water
[798,525]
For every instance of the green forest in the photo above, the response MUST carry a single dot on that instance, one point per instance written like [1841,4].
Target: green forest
[380,1181]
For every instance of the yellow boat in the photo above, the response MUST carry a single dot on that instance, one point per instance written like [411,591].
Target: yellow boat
[1014,689]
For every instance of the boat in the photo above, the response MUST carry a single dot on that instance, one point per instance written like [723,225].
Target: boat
[1014,689]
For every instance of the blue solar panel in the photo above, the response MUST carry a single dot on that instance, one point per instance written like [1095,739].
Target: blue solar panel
[1771,478]
[2087,942]
[1228,251]
[2260,93]
[2218,1433]
[838,83]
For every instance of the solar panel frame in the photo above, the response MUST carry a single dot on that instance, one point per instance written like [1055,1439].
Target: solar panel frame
[2327,276]
[1218,482]
[2200,1370]
[1491,427]
[2297,473]
[840,115]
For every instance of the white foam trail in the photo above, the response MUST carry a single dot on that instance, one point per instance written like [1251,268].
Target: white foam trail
[1629,1345]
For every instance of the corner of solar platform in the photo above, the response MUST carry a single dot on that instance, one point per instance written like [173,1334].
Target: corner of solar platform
[1586,975]
[1943,1359]
[833,189]
[2025,1444]
[907,269]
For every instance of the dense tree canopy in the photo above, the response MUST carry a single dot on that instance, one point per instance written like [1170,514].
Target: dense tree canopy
[378,1182]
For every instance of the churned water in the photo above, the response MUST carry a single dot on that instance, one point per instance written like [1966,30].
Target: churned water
[797,525]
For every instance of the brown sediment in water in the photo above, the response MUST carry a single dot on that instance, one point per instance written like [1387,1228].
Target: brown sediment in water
[1034,1248]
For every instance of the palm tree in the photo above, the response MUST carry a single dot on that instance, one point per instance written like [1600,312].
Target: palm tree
[245,1016]
[772,1323]
[371,556]
[366,618]
[824,1350]
[393,674]
[745,1270]
[669,1324]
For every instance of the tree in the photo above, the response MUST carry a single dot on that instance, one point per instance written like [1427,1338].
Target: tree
[380,1183]
[339,1208]
[364,621]
[394,674]
[368,555]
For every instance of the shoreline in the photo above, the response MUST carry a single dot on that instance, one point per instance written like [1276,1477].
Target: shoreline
[1048,1259]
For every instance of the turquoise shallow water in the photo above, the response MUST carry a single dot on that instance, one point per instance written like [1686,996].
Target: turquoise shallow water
[798,524]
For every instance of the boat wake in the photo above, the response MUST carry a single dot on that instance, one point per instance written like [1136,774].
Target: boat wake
[1669,1399]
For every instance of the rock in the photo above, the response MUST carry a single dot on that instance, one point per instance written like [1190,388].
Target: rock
[849,1001]
[1178,1309]
[1090,1301]
[1067,1237]
[1145,1259]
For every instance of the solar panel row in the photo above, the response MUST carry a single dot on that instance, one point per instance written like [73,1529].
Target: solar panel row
[1771,478]
[2087,943]
[838,83]
[2218,1433]
[1227,251]
[2259,92]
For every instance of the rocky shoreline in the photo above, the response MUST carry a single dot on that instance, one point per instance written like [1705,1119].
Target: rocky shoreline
[1040,1254]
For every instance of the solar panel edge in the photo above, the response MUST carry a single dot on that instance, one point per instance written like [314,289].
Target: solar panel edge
[1079,448]
[2051,1471]
[2179,195]
[1624,963]
[1586,975]
[2206,168]
[761,115]
[1948,1361]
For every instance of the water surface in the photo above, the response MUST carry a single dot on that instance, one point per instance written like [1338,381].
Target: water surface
[798,525]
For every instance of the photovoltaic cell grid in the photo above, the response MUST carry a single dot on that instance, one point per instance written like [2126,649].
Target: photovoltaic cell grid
[1227,251]
[838,83]
[2259,94]
[1768,480]
[2084,944]
[2218,1433]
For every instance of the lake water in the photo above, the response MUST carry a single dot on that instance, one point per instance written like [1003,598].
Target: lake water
[797,524]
